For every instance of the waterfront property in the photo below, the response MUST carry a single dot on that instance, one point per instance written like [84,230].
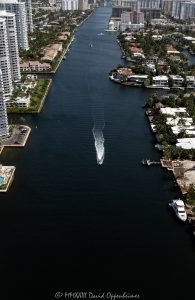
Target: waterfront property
[18,136]
[32,103]
[160,81]
[6,177]
[34,66]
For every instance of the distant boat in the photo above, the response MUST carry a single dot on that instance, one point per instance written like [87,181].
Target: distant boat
[64,57]
[91,45]
[101,33]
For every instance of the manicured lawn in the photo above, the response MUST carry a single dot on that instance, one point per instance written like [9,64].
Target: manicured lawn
[37,98]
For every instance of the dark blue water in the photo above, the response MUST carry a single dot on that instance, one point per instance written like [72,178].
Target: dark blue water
[68,224]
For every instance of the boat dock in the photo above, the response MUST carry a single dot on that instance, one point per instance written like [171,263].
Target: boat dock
[148,162]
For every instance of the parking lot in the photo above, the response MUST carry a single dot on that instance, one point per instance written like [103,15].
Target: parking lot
[18,136]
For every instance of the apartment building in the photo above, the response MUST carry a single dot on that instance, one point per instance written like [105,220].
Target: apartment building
[83,4]
[5,65]
[4,129]
[69,4]
[29,15]
[12,44]
[19,8]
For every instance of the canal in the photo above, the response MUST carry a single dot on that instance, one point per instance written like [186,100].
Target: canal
[68,224]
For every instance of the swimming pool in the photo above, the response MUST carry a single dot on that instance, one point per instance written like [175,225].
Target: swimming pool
[1,180]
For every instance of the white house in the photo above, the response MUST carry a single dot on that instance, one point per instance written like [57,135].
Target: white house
[161,80]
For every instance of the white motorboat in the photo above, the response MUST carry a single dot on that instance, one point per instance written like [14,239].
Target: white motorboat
[100,158]
[179,209]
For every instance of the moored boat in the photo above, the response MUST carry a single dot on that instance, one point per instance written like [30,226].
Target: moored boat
[179,209]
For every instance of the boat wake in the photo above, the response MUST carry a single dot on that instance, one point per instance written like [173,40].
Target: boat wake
[99,145]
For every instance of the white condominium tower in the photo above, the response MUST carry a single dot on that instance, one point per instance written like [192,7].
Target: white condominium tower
[5,59]
[138,4]
[4,129]
[69,4]
[19,9]
[12,44]
[29,15]
[150,3]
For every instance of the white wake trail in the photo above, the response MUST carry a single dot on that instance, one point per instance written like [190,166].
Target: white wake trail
[99,145]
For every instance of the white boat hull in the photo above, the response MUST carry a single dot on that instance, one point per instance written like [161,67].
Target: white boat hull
[180,215]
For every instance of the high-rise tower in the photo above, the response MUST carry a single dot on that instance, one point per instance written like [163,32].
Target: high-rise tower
[5,65]
[12,44]
[4,129]
[29,15]
[19,8]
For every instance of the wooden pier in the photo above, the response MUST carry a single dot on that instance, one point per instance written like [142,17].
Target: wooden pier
[148,162]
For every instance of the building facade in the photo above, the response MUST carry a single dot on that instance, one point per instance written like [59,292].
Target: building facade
[179,9]
[19,8]
[149,3]
[5,60]
[4,129]
[12,44]
[131,20]
[69,4]
[82,4]
[29,15]
[136,17]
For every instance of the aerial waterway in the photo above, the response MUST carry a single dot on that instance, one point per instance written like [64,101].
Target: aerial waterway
[67,225]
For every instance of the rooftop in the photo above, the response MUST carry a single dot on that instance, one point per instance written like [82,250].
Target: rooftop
[172,111]
[186,143]
[160,77]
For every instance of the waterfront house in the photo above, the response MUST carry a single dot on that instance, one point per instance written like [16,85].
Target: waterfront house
[174,121]
[189,130]
[172,111]
[190,80]
[50,52]
[49,55]
[186,143]
[33,65]
[19,102]
[160,81]
[136,52]
[62,37]
[138,78]
[177,79]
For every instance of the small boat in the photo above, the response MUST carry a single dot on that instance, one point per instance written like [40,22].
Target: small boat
[100,156]
[91,45]
[101,33]
[179,209]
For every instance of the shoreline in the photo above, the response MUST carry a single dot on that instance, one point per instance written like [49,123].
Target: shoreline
[44,96]
[132,84]
[174,166]
[63,53]
[24,141]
